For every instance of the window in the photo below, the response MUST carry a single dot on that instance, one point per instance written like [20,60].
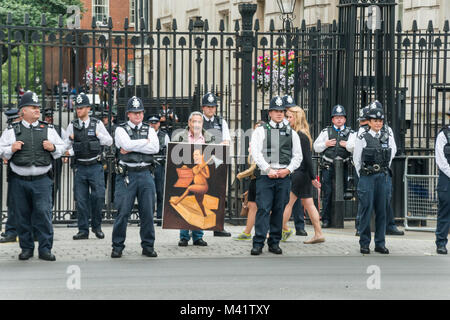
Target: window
[100,10]
[132,11]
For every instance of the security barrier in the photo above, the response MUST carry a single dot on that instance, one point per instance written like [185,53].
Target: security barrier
[421,200]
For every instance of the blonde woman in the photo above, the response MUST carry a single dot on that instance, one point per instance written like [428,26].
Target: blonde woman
[303,178]
[252,208]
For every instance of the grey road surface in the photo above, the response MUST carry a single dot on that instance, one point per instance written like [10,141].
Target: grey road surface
[268,277]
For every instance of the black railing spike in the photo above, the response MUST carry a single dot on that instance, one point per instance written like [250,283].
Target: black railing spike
[158,25]
[174,25]
[110,23]
[191,25]
[303,25]
[94,24]
[206,26]
[399,26]
[236,26]
[430,26]
[272,25]
[126,24]
[26,19]
[60,21]
[334,26]
[9,18]
[446,26]
[414,26]
[222,26]
[319,25]
[142,24]
[43,20]
[257,25]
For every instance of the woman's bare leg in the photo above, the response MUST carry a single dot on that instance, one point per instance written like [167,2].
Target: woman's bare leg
[251,216]
[288,210]
[313,214]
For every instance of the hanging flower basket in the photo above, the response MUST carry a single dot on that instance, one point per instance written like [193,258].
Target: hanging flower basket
[99,74]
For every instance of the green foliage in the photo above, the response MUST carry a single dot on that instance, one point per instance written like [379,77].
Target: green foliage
[35,8]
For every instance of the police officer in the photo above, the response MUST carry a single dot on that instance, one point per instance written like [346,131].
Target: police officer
[373,154]
[137,143]
[277,153]
[31,145]
[442,152]
[10,234]
[86,136]
[160,164]
[332,143]
[218,128]
[168,118]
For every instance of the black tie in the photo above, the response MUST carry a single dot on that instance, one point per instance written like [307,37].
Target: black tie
[377,135]
[278,126]
[83,126]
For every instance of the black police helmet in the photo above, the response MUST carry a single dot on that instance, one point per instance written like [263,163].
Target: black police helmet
[48,112]
[209,100]
[375,113]
[289,102]
[277,103]
[363,113]
[29,99]
[82,100]
[376,104]
[154,119]
[338,110]
[12,114]
[135,104]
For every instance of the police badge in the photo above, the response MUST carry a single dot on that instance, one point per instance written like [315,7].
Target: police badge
[35,98]
[79,99]
[279,102]
[211,98]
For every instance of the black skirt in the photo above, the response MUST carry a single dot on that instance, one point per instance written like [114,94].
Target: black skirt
[252,190]
[301,185]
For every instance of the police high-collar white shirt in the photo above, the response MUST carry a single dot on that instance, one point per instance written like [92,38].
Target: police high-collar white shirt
[8,138]
[319,144]
[257,143]
[225,129]
[361,143]
[147,146]
[102,134]
[441,160]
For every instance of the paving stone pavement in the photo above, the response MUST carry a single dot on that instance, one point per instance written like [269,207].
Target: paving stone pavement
[339,242]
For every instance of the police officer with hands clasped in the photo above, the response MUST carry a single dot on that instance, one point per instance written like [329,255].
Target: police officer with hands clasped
[443,188]
[277,153]
[137,142]
[332,143]
[31,145]
[85,138]
[373,154]
[159,170]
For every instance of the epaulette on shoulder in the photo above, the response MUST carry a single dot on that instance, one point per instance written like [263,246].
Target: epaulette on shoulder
[362,134]
[123,124]
[95,120]
[46,124]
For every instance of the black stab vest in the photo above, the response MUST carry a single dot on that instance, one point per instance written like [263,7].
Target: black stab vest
[136,157]
[86,145]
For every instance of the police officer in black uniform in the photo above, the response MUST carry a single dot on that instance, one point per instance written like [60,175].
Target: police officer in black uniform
[159,169]
[31,145]
[218,128]
[168,119]
[277,152]
[137,143]
[373,154]
[332,143]
[86,136]
[10,234]
[442,152]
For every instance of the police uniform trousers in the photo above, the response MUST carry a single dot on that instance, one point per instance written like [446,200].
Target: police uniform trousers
[142,186]
[32,202]
[89,192]
[11,221]
[159,183]
[327,190]
[272,195]
[372,193]
[390,220]
[443,215]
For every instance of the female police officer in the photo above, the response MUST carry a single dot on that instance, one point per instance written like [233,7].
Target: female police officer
[443,163]
[373,154]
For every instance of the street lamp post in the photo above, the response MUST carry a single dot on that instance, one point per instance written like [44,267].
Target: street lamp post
[198,28]
[287,8]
